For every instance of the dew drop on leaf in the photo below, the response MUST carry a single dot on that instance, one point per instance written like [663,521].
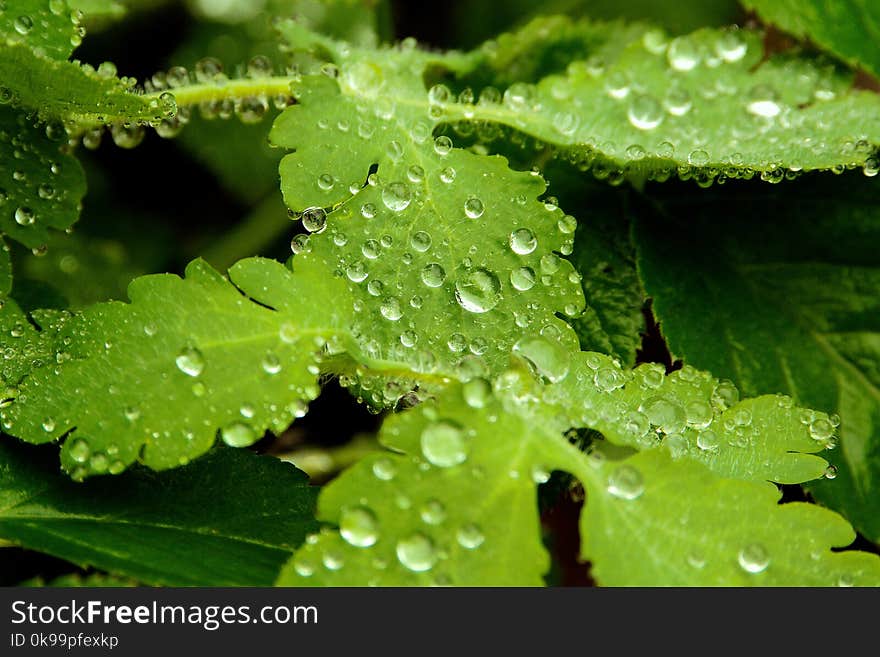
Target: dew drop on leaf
[384,469]
[753,558]
[396,196]
[443,444]
[470,536]
[433,275]
[416,552]
[359,527]
[190,361]
[523,241]
[625,482]
[547,359]
[478,291]
[433,512]
[473,208]
[645,113]
[238,434]
[522,278]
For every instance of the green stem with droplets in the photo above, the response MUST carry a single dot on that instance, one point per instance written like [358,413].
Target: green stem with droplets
[194,94]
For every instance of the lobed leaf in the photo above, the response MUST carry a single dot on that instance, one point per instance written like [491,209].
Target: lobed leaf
[454,503]
[653,521]
[229,519]
[790,305]
[195,354]
[41,184]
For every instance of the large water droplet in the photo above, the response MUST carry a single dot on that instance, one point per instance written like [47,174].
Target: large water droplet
[473,208]
[470,536]
[763,101]
[645,112]
[314,220]
[522,278]
[683,54]
[754,558]
[626,483]
[391,309]
[396,196]
[359,527]
[24,216]
[443,444]
[238,434]
[547,358]
[190,361]
[479,291]
[433,275]
[433,512]
[416,552]
[523,241]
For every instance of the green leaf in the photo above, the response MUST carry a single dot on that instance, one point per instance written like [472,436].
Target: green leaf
[698,106]
[454,503]
[41,184]
[440,249]
[454,500]
[692,415]
[5,270]
[776,289]
[229,519]
[848,28]
[197,356]
[78,95]
[604,256]
[688,527]
[49,29]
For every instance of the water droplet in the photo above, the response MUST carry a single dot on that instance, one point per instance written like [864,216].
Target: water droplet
[473,207]
[420,241]
[470,536]
[645,112]
[447,175]
[23,24]
[304,565]
[433,512]
[190,361]
[477,392]
[80,450]
[831,472]
[821,429]
[730,46]
[356,271]
[416,552]
[384,469]
[49,425]
[708,441]
[24,216]
[608,379]
[396,196]
[698,158]
[271,363]
[626,483]
[677,102]
[698,414]
[359,527]
[522,278]
[683,54]
[314,220]
[433,275]
[442,146]
[479,291]
[443,444]
[391,309]
[753,558]
[332,559]
[239,434]
[547,359]
[763,101]
[523,241]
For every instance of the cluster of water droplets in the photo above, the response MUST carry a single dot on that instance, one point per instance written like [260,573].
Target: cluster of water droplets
[169,118]
[40,27]
[33,188]
[642,116]
[412,267]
